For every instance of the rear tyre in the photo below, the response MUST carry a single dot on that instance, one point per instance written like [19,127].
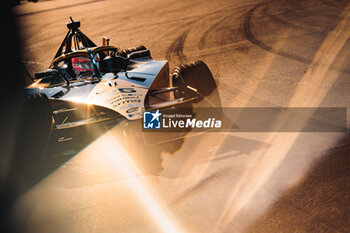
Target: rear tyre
[35,129]
[37,126]
[39,112]
[198,76]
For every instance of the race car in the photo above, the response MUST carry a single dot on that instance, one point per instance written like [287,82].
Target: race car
[89,85]
[115,83]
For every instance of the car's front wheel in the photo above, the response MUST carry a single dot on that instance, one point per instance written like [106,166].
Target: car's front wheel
[195,79]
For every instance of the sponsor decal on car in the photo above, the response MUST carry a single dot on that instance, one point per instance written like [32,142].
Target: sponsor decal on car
[133,109]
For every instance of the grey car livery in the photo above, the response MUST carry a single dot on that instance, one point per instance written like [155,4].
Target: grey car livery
[116,84]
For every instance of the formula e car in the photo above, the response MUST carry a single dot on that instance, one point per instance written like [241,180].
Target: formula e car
[115,83]
[89,85]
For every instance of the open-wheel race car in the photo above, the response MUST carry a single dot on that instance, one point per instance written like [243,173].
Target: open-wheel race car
[88,84]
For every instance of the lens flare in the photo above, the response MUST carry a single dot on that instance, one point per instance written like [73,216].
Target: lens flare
[112,151]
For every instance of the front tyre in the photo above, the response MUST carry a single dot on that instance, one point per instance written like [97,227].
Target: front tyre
[196,76]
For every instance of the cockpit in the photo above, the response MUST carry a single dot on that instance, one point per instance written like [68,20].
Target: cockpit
[92,64]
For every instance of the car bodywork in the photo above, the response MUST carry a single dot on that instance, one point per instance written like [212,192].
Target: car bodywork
[116,84]
[90,89]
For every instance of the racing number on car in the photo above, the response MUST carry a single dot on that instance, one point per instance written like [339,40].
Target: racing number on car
[127,90]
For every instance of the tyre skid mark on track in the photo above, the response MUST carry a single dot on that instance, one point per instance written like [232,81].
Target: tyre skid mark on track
[222,22]
[210,29]
[217,24]
[228,48]
[247,27]
[177,47]
[276,19]
[226,44]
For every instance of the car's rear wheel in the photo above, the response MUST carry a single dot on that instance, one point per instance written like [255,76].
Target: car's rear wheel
[34,133]
[196,76]
[40,106]
[38,122]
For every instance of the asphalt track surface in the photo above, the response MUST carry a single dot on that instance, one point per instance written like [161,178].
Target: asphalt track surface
[262,54]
